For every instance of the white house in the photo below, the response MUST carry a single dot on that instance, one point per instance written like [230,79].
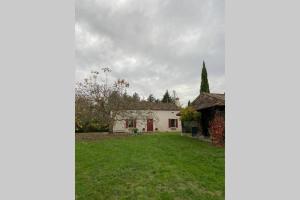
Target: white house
[150,117]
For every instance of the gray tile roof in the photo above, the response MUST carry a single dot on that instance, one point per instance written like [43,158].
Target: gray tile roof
[145,105]
[208,100]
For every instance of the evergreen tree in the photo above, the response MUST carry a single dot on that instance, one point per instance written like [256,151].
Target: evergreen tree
[125,95]
[204,81]
[166,98]
[174,96]
[136,96]
[189,103]
[151,98]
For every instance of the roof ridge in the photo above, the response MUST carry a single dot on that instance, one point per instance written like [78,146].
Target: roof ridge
[205,100]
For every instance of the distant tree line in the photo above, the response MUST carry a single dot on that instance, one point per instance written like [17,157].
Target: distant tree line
[167,98]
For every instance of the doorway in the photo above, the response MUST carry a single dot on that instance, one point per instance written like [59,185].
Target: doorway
[149,124]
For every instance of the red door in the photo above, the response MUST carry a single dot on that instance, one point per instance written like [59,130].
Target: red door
[149,124]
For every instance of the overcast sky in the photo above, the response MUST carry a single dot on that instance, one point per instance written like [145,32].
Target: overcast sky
[154,44]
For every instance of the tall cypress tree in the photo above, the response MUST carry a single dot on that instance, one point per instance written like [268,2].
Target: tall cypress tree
[204,81]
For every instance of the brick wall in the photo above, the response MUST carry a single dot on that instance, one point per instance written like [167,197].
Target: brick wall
[217,129]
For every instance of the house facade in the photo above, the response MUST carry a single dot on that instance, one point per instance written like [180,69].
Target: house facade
[149,117]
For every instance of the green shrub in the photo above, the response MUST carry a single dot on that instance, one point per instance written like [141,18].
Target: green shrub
[135,130]
[189,114]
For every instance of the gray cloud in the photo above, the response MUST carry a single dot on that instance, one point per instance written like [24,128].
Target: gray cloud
[155,45]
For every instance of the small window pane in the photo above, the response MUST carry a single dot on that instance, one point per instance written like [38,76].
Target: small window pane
[131,123]
[173,123]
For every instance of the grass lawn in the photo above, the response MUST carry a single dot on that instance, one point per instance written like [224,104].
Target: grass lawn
[158,166]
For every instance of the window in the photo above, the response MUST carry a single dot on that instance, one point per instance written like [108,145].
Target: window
[173,123]
[130,123]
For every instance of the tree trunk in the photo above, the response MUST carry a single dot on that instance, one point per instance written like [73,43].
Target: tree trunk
[111,128]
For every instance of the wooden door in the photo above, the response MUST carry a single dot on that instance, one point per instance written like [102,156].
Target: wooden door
[149,124]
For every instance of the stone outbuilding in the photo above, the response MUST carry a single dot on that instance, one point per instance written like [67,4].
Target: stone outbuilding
[212,123]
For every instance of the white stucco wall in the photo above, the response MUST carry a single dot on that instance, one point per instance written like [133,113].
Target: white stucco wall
[160,121]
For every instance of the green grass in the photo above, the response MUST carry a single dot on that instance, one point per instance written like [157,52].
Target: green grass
[158,166]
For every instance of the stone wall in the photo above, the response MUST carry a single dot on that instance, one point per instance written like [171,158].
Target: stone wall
[217,129]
